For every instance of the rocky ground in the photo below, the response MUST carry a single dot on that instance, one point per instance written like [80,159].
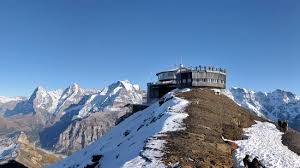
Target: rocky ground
[211,116]
[292,139]
[27,155]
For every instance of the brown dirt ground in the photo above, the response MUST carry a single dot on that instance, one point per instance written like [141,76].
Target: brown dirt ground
[292,139]
[211,116]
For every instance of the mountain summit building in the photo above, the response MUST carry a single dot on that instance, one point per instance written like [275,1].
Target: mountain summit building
[182,77]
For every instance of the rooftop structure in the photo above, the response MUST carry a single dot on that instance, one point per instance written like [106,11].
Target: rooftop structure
[182,77]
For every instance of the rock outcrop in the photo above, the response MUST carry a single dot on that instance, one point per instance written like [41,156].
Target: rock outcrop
[25,154]
[81,133]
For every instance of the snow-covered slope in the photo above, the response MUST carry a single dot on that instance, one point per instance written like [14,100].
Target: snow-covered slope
[18,148]
[8,103]
[263,140]
[275,105]
[8,148]
[135,141]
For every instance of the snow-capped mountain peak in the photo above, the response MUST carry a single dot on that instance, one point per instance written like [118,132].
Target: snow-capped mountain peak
[71,90]
[39,91]
[117,95]
[57,101]
[4,99]
[283,96]
[74,87]
[278,104]
[123,145]
[128,86]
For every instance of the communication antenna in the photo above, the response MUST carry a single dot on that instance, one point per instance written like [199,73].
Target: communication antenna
[180,61]
[180,75]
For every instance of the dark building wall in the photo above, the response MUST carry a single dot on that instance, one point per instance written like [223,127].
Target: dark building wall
[133,109]
[184,79]
[156,91]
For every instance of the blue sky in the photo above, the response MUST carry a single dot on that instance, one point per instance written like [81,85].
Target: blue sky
[94,43]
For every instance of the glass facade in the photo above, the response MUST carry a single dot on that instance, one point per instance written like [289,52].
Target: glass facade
[166,76]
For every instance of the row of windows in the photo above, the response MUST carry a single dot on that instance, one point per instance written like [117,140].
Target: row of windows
[211,80]
[207,75]
[185,81]
[202,80]
[167,75]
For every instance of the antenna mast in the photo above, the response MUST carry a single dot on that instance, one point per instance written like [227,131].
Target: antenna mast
[180,61]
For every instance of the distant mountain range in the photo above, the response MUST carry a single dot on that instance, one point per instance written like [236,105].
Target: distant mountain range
[67,120]
[275,105]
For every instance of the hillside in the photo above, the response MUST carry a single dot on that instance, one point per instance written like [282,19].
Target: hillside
[135,142]
[188,129]
[211,116]
[18,151]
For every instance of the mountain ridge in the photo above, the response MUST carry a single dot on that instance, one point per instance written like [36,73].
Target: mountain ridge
[278,104]
[56,110]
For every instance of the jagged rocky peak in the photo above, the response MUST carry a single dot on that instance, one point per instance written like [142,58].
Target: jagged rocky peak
[39,88]
[128,86]
[39,91]
[121,85]
[283,96]
[115,95]
[74,87]
[23,138]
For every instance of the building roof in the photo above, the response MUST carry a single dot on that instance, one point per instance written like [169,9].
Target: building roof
[172,70]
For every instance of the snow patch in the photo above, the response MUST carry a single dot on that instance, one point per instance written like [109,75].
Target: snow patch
[136,141]
[10,99]
[8,148]
[264,141]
